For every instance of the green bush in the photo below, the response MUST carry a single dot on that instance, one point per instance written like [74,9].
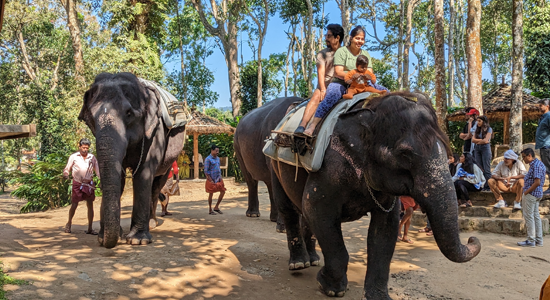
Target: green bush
[43,186]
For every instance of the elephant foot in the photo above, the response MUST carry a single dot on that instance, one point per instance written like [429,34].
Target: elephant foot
[299,262]
[314,259]
[139,237]
[383,296]
[253,213]
[281,228]
[331,287]
[153,223]
[101,236]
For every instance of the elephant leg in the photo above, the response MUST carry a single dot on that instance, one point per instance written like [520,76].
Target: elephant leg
[139,230]
[253,210]
[273,214]
[383,229]
[101,232]
[325,224]
[153,222]
[310,241]
[299,258]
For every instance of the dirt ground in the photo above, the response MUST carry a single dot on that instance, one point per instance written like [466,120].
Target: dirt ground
[198,256]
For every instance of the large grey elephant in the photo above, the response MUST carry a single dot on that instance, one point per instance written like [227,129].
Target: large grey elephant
[249,139]
[392,146]
[125,117]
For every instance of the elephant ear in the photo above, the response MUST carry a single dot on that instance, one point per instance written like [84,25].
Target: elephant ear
[85,113]
[152,111]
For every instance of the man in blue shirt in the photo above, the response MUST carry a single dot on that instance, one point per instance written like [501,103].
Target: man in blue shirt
[214,181]
[532,194]
[542,137]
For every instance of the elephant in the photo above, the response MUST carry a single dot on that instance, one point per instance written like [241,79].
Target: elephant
[380,149]
[125,117]
[248,142]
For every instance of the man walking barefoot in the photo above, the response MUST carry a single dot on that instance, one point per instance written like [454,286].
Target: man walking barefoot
[214,181]
[82,164]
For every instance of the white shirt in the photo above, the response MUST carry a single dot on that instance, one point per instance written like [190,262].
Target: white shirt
[502,170]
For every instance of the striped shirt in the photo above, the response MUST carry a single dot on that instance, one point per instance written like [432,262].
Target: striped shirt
[536,170]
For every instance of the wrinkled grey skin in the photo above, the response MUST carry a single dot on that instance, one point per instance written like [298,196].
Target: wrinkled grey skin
[382,146]
[249,140]
[125,118]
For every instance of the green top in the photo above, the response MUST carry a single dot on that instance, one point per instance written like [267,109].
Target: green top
[343,57]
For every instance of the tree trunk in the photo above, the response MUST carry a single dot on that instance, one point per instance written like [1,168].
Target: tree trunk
[440,93]
[262,30]
[74,31]
[182,56]
[345,15]
[516,142]
[451,67]
[400,45]
[226,31]
[309,47]
[473,50]
[410,9]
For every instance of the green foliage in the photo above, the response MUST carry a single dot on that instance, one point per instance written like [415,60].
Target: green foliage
[537,51]
[5,279]
[43,186]
[272,85]
[383,70]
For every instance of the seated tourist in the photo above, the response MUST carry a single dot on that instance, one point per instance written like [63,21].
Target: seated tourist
[508,178]
[453,162]
[468,178]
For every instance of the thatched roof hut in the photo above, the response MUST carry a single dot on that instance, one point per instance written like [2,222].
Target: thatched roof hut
[496,106]
[203,124]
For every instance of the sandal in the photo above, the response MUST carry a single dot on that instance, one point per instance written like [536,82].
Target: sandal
[462,205]
[67,229]
[218,211]
[91,232]
[424,230]
[469,204]
[429,233]
[212,213]
[408,241]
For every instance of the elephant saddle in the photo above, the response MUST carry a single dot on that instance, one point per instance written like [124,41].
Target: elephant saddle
[174,113]
[304,151]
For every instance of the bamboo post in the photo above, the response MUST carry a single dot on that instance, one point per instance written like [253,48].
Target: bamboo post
[506,137]
[196,155]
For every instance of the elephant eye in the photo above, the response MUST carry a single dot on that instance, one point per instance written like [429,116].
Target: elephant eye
[129,113]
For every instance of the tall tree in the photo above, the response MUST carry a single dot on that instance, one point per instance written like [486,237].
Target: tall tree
[516,142]
[450,60]
[440,78]
[226,15]
[74,30]
[259,13]
[407,45]
[345,16]
[473,52]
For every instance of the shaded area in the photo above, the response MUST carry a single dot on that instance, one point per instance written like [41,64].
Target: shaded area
[198,256]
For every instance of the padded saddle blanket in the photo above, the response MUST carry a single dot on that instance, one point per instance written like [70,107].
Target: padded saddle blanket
[312,160]
[174,114]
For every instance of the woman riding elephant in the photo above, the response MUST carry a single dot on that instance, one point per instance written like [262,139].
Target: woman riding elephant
[344,61]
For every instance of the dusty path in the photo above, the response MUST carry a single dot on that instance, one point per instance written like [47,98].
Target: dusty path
[230,256]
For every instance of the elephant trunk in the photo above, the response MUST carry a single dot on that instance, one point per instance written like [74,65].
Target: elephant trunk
[110,153]
[436,194]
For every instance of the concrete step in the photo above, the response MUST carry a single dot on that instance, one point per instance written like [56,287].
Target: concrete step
[508,226]
[491,212]
[486,198]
